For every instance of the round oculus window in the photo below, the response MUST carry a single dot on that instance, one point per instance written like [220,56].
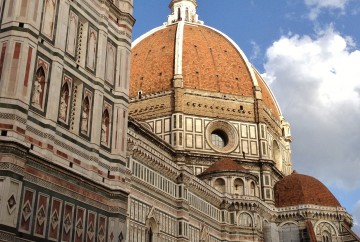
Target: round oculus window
[221,136]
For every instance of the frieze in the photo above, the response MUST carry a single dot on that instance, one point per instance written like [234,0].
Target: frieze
[74,195]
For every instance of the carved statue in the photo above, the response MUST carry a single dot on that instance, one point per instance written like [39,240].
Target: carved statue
[85,118]
[49,17]
[104,135]
[92,50]
[63,106]
[37,91]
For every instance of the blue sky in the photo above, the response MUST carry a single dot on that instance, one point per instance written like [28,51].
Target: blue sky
[309,53]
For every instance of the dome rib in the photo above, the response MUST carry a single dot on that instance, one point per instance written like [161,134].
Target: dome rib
[195,56]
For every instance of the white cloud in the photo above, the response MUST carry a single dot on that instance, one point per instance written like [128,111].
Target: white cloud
[255,50]
[317,83]
[317,5]
[356,217]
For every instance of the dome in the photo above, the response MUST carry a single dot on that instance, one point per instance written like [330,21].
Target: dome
[224,165]
[201,58]
[297,189]
[210,62]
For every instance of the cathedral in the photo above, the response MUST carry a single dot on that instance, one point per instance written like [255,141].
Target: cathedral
[172,137]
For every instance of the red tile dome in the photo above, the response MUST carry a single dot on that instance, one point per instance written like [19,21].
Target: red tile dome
[224,165]
[205,58]
[297,189]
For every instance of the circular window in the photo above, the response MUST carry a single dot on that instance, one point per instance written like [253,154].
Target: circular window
[221,136]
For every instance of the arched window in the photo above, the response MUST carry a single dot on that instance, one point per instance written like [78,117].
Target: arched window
[326,237]
[245,220]
[179,14]
[152,230]
[276,155]
[150,235]
[252,189]
[239,186]
[220,185]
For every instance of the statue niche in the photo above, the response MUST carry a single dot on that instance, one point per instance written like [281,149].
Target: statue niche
[38,88]
[92,49]
[105,123]
[85,116]
[64,102]
[48,20]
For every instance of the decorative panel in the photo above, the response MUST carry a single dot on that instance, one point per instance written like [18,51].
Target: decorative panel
[252,131]
[189,124]
[68,222]
[27,209]
[198,141]
[54,222]
[91,226]
[41,215]
[79,230]
[48,22]
[244,132]
[198,126]
[102,229]
[189,140]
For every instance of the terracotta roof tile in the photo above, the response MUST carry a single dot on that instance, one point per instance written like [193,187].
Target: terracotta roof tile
[212,63]
[225,164]
[297,189]
[152,62]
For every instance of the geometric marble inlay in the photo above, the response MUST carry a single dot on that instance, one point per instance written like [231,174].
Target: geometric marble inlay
[101,234]
[26,211]
[41,215]
[111,237]
[91,231]
[67,224]
[79,228]
[11,204]
[54,219]
[121,237]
